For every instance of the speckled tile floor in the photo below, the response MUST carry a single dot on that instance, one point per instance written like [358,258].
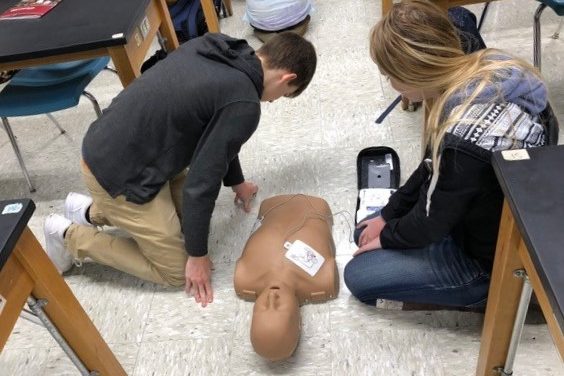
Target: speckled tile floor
[307,145]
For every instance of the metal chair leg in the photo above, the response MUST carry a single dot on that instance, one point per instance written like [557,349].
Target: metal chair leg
[56,123]
[110,69]
[556,34]
[483,16]
[94,102]
[537,37]
[8,130]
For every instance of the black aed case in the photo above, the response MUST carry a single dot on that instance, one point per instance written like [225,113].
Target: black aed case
[377,167]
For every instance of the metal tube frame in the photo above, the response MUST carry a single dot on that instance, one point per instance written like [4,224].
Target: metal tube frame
[524,301]
[37,308]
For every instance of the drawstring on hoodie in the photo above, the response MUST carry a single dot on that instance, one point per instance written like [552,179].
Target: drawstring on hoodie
[433,183]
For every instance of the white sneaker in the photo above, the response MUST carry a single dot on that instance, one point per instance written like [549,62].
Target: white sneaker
[54,228]
[76,205]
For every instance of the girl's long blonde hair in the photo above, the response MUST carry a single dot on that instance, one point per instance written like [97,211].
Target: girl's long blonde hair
[416,44]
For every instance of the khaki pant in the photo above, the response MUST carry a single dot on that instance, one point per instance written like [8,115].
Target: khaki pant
[155,252]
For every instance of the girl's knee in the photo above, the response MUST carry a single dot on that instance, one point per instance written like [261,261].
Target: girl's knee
[364,279]
[355,280]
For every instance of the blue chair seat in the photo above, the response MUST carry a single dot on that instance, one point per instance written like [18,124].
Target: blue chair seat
[54,74]
[46,89]
[556,5]
[20,101]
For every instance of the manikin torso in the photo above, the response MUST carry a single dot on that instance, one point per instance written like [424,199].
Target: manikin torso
[279,286]
[263,264]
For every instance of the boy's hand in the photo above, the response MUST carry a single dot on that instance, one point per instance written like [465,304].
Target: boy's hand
[245,193]
[198,279]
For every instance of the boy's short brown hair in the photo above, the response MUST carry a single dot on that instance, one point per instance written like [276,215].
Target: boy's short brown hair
[294,53]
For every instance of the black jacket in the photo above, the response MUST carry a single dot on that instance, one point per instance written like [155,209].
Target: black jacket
[466,204]
[195,108]
[466,200]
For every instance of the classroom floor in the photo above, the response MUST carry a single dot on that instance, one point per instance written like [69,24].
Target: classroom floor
[305,145]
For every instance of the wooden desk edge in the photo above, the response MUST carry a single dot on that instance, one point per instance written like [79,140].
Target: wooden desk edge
[504,294]
[30,270]
[15,286]
[551,321]
[503,297]
[128,57]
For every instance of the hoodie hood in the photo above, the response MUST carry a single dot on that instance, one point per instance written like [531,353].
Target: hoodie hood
[520,87]
[233,52]
[506,114]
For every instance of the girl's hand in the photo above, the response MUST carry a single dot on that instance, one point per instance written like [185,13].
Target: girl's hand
[372,229]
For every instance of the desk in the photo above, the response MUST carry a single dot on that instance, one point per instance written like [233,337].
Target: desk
[445,4]
[26,270]
[531,238]
[82,29]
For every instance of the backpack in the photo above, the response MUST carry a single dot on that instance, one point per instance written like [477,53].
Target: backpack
[188,21]
[188,18]
[465,23]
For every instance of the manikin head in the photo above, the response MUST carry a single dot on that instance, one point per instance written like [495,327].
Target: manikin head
[275,328]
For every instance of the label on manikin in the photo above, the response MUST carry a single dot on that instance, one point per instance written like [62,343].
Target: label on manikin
[304,256]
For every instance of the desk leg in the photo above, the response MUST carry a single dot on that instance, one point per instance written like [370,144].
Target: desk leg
[166,27]
[128,58]
[15,287]
[63,309]
[386,6]
[210,16]
[503,297]
[127,72]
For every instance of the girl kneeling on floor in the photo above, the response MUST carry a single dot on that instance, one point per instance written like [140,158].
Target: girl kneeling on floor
[434,242]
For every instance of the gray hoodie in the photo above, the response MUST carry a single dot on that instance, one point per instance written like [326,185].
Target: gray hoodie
[195,108]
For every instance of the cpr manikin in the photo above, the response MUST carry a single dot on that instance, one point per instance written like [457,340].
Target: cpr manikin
[288,260]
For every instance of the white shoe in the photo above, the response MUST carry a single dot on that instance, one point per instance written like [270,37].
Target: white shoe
[76,205]
[54,228]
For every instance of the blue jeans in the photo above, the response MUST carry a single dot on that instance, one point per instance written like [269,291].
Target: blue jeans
[440,273]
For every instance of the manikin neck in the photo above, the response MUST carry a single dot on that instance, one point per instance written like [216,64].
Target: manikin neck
[277,284]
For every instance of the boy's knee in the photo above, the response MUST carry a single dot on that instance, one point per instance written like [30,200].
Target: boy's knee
[174,280]
[173,276]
